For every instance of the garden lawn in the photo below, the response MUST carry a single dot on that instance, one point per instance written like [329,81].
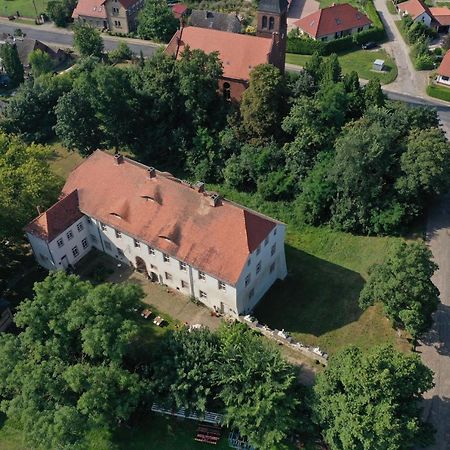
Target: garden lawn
[360,61]
[25,7]
[318,301]
[441,92]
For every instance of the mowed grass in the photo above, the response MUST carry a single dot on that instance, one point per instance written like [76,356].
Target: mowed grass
[360,61]
[441,92]
[25,7]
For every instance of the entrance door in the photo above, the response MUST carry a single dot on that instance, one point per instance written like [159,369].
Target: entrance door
[64,262]
[140,265]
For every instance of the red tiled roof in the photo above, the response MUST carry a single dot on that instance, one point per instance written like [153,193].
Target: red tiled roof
[414,8]
[57,218]
[90,8]
[441,15]
[332,19]
[444,67]
[179,9]
[239,53]
[167,214]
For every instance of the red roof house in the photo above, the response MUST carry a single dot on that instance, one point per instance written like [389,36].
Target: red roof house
[443,72]
[417,10]
[334,22]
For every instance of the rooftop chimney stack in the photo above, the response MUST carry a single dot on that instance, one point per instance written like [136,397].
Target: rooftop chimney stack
[200,186]
[214,199]
[39,210]
[119,158]
[151,172]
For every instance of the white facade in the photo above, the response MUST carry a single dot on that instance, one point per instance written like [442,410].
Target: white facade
[425,18]
[264,266]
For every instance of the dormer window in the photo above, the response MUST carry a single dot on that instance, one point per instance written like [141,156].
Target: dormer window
[118,234]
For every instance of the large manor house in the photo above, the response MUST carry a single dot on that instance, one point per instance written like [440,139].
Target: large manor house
[175,232]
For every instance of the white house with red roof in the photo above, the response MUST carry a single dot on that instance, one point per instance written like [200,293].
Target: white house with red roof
[115,15]
[333,22]
[178,234]
[417,10]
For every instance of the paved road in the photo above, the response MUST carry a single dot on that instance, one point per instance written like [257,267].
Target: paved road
[435,346]
[409,81]
[64,38]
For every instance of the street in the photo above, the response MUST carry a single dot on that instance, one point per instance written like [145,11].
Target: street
[63,38]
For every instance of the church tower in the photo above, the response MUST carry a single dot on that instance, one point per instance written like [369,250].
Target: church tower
[272,24]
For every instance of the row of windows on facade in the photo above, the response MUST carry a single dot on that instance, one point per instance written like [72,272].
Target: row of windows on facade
[69,234]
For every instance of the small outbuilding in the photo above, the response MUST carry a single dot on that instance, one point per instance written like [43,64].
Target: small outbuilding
[378,65]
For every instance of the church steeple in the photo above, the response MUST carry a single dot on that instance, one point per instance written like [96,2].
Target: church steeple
[272,23]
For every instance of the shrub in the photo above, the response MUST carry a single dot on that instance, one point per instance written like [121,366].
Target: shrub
[304,46]
[373,15]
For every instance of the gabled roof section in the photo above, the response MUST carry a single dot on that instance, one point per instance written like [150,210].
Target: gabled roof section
[215,21]
[57,218]
[414,8]
[441,15]
[444,67]
[332,19]
[90,8]
[184,223]
[239,53]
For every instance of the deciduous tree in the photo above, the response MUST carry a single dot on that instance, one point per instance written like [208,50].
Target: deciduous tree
[156,21]
[41,62]
[11,63]
[88,41]
[372,400]
[403,284]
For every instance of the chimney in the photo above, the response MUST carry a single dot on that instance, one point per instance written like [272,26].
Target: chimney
[39,209]
[118,158]
[214,199]
[151,172]
[200,186]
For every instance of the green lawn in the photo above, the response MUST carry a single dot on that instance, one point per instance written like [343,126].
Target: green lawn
[391,7]
[25,7]
[360,61]
[441,92]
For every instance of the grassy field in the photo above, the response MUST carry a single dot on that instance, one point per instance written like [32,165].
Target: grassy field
[25,7]
[360,61]
[441,92]
[391,7]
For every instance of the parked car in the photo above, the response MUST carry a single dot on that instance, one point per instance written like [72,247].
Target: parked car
[368,45]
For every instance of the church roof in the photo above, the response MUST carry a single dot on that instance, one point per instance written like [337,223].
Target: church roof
[273,6]
[175,217]
[239,53]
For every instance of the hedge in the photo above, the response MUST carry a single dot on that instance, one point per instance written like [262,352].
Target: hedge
[307,46]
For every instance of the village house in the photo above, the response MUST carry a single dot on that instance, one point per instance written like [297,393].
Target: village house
[417,10]
[176,233]
[240,53]
[443,72]
[333,22]
[118,16]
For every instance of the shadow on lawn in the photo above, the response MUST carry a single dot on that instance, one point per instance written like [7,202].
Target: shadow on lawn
[316,297]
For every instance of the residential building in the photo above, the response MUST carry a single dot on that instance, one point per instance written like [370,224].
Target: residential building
[441,18]
[417,10]
[240,53]
[118,16]
[176,233]
[179,10]
[443,72]
[333,22]
[215,21]
[6,316]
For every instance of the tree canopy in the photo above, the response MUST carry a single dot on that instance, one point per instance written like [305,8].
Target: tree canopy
[26,182]
[156,21]
[41,62]
[73,345]
[88,41]
[403,284]
[371,400]
[11,63]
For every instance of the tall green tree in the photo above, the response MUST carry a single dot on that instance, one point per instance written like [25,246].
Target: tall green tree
[88,41]
[371,400]
[184,369]
[74,346]
[26,181]
[373,94]
[263,104]
[11,63]
[76,123]
[41,62]
[60,12]
[403,284]
[256,386]
[156,21]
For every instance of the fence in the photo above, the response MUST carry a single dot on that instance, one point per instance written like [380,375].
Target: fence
[209,417]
